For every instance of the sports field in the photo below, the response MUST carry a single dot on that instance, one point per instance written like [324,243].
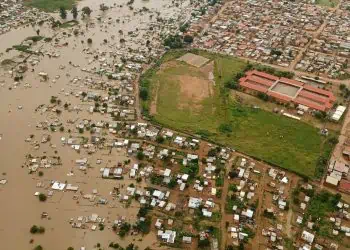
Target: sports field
[183,97]
[50,5]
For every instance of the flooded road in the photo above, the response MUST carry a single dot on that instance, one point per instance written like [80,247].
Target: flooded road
[70,63]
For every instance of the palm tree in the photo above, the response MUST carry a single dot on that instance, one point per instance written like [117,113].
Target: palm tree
[63,13]
[74,12]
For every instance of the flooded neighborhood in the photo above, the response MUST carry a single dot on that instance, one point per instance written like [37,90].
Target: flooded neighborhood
[163,124]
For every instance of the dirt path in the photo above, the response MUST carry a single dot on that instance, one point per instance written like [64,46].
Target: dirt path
[153,108]
[289,223]
[225,217]
[260,193]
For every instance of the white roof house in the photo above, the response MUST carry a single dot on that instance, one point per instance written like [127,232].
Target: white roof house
[167,172]
[332,180]
[167,236]
[194,202]
[308,237]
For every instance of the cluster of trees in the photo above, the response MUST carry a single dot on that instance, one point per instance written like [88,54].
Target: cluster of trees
[345,91]
[117,246]
[124,229]
[86,11]
[177,41]
[37,229]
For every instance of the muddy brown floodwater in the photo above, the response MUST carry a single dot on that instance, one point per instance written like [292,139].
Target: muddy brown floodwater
[19,208]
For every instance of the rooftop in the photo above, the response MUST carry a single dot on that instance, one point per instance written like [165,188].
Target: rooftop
[288,90]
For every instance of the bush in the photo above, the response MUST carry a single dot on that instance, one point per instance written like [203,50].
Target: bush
[232,84]
[321,115]
[263,96]
[225,128]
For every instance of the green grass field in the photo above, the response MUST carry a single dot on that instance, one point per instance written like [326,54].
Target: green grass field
[50,5]
[291,144]
[327,3]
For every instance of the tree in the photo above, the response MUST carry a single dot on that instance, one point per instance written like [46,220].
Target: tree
[188,39]
[103,7]
[333,140]
[89,40]
[70,248]
[184,27]
[86,10]
[130,247]
[144,94]
[140,155]
[63,13]
[160,139]
[74,11]
[42,197]
[34,229]
[173,42]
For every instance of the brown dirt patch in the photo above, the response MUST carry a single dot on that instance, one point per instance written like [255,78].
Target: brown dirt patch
[194,90]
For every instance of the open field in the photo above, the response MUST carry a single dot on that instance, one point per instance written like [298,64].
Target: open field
[288,143]
[50,5]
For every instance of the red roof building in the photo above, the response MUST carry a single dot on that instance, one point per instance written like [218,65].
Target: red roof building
[344,186]
[288,90]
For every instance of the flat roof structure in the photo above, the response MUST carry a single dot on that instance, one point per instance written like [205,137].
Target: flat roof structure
[288,90]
